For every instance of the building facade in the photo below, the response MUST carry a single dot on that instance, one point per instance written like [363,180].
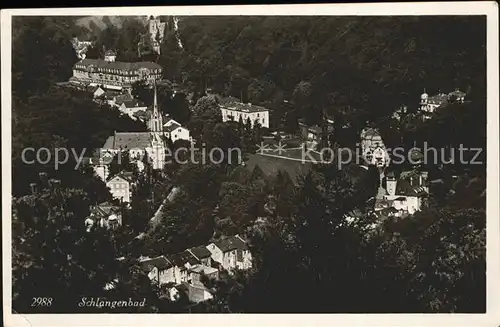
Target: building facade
[231,253]
[160,270]
[373,148]
[428,104]
[120,187]
[111,74]
[156,33]
[174,131]
[408,193]
[233,110]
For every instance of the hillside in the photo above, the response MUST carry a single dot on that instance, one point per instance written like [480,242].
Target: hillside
[97,24]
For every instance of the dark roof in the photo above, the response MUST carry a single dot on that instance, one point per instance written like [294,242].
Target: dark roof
[105,209]
[180,259]
[234,104]
[231,243]
[126,66]
[110,94]
[159,262]
[132,103]
[370,133]
[128,140]
[120,98]
[126,175]
[171,127]
[200,252]
[141,114]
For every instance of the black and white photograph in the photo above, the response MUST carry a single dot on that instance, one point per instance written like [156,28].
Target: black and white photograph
[252,162]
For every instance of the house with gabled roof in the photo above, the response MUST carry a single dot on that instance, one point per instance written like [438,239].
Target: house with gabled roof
[182,261]
[196,272]
[202,254]
[120,186]
[231,253]
[160,270]
[130,107]
[175,131]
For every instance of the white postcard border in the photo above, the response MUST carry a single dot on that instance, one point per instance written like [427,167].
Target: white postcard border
[491,318]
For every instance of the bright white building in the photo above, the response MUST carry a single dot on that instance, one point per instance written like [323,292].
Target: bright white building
[429,104]
[174,131]
[115,75]
[373,148]
[120,186]
[406,195]
[233,110]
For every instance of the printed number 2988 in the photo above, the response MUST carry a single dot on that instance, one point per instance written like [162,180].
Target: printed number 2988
[41,302]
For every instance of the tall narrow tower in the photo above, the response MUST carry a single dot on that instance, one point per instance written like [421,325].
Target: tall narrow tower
[157,149]
[156,121]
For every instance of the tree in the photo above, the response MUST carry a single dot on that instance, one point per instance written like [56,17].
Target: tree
[43,54]
[54,247]
[142,92]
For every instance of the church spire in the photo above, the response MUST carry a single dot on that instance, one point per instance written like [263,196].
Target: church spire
[156,124]
[155,102]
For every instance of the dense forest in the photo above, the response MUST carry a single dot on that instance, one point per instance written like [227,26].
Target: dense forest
[356,69]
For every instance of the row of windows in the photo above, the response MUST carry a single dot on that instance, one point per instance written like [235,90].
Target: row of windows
[261,121]
[83,73]
[118,186]
[114,71]
[243,114]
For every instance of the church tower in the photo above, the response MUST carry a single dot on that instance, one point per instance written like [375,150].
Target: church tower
[156,121]
[157,149]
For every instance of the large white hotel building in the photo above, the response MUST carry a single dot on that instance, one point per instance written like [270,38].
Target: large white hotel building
[113,74]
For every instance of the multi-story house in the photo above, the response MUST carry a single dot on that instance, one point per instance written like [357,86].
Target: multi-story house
[231,253]
[160,270]
[131,107]
[373,148]
[233,110]
[429,104]
[112,74]
[182,262]
[197,271]
[408,193]
[202,254]
[175,131]
[120,186]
